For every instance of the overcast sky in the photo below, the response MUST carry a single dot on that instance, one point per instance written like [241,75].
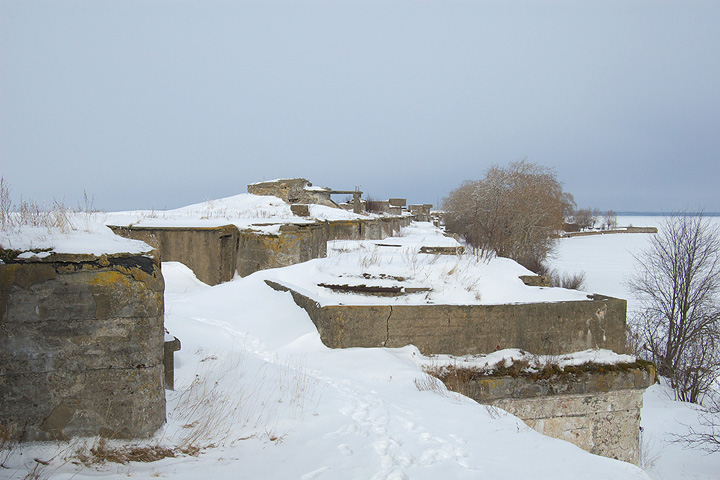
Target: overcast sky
[159,104]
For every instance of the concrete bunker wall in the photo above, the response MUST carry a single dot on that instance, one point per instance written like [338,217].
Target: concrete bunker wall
[215,254]
[209,252]
[294,244]
[599,411]
[365,229]
[540,328]
[81,347]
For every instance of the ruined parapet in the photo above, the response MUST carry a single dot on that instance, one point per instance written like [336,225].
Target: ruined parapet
[421,212]
[210,252]
[294,190]
[290,245]
[398,202]
[81,346]
[596,407]
[391,226]
[365,229]
[542,328]
[216,254]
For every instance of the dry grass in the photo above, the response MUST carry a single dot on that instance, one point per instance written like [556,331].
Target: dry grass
[57,217]
[102,452]
[8,444]
[225,404]
[429,383]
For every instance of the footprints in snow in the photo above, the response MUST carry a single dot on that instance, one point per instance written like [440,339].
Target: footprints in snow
[397,440]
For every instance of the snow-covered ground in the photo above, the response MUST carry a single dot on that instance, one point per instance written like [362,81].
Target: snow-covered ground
[80,233]
[396,262]
[263,398]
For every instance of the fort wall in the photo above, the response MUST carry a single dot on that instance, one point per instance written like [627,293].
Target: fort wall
[81,346]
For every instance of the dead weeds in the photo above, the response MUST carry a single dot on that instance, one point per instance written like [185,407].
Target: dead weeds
[102,452]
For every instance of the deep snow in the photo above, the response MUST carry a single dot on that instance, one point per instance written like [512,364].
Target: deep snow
[254,381]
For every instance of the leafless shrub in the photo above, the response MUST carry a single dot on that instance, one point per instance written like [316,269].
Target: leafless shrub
[677,283]
[513,212]
[610,220]
[707,436]
[586,218]
[573,281]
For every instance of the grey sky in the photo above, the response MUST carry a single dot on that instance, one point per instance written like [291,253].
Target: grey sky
[159,104]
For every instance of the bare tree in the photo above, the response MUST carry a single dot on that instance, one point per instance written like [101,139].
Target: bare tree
[610,219]
[513,212]
[586,217]
[677,283]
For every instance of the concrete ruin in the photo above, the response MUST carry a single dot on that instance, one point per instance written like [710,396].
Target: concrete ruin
[301,191]
[294,190]
[81,346]
[216,254]
[596,408]
[83,350]
[422,213]
[541,328]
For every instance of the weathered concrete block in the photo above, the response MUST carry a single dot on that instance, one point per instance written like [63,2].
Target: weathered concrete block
[293,190]
[295,243]
[210,252]
[81,346]
[300,209]
[215,254]
[541,328]
[595,408]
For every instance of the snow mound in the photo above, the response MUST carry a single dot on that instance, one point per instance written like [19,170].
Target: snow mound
[84,233]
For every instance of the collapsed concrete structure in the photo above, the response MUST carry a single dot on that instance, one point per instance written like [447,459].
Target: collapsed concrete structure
[81,346]
[294,190]
[82,336]
[301,191]
[594,407]
[216,254]
[541,328]
[597,409]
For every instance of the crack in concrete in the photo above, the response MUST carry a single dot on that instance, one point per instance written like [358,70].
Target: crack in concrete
[387,327]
